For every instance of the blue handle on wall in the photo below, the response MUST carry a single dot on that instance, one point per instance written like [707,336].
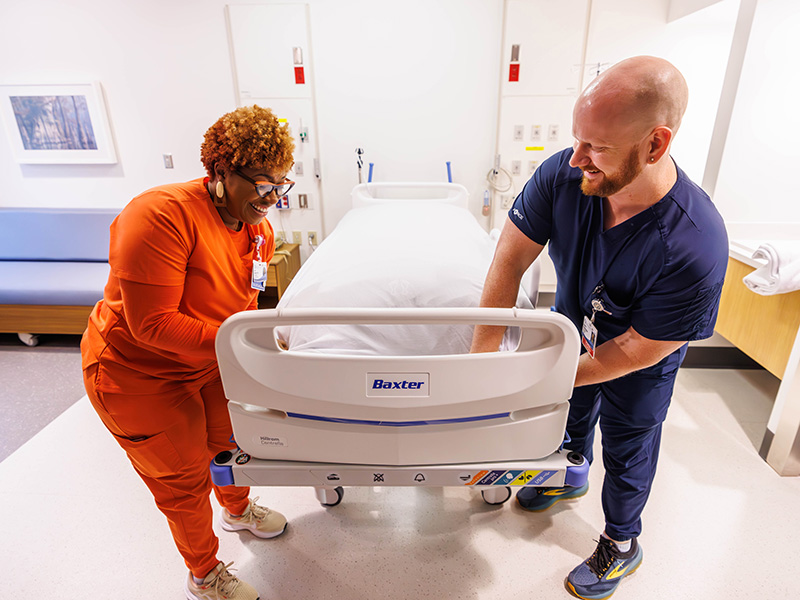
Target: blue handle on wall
[369,177]
[449,174]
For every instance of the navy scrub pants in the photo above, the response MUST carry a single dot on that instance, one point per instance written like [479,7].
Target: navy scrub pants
[630,410]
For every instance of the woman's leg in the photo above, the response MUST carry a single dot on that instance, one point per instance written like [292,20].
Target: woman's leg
[165,439]
[220,434]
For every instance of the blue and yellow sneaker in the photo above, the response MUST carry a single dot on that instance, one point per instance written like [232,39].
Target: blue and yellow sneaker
[599,576]
[539,499]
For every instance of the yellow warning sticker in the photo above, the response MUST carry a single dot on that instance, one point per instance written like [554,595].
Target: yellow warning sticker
[524,477]
[530,148]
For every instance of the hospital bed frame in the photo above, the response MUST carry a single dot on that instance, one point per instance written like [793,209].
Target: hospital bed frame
[491,421]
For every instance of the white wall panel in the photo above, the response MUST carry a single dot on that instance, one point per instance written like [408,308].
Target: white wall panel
[263,40]
[550,36]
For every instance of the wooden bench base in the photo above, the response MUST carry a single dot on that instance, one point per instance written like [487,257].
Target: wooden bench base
[20,318]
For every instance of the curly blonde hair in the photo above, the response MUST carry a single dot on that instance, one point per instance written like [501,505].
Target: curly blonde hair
[249,137]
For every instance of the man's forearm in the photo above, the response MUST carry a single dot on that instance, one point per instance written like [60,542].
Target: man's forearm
[624,354]
[496,294]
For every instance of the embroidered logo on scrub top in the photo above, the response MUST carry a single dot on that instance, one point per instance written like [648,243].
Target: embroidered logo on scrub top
[518,214]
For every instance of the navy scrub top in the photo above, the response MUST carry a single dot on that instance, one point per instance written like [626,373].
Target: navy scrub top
[661,271]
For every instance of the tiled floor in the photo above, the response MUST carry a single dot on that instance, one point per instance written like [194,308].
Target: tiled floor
[76,523]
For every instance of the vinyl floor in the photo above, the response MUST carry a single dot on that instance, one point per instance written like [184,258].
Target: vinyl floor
[77,523]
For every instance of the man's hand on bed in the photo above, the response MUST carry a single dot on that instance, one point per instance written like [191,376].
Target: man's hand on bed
[487,338]
[515,252]
[624,354]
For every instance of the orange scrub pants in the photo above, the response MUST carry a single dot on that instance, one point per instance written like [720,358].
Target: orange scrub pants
[170,440]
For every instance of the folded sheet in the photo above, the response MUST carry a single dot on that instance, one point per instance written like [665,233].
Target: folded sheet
[781,273]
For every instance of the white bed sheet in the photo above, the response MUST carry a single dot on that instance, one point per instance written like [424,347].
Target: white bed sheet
[402,254]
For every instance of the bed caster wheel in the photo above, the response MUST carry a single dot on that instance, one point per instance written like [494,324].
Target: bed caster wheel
[330,496]
[28,339]
[495,496]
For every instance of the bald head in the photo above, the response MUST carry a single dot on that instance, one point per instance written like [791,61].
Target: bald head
[643,92]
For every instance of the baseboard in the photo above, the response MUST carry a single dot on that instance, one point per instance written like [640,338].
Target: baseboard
[710,357]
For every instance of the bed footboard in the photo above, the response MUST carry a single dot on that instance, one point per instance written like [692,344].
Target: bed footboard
[398,410]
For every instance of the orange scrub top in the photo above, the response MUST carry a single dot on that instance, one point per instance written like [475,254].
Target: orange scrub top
[177,272]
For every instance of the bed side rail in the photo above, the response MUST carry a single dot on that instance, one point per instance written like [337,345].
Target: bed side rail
[256,371]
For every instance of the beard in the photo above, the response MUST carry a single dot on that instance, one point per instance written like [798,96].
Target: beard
[611,184]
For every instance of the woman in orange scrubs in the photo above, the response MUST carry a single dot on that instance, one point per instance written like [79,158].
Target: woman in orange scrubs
[183,258]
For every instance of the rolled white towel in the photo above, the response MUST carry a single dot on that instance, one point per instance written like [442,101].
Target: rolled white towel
[781,274]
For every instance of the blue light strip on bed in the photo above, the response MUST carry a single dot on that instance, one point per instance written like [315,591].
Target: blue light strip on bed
[398,423]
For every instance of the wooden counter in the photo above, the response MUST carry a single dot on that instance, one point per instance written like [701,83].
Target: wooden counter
[767,328]
[763,327]
[283,267]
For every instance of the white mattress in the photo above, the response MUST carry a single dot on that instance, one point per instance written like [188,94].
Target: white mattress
[401,254]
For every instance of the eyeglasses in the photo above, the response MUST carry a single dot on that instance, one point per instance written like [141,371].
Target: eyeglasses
[265,188]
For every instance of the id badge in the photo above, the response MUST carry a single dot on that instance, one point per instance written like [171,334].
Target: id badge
[259,279]
[589,336]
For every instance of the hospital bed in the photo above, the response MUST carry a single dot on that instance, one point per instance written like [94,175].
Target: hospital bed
[361,376]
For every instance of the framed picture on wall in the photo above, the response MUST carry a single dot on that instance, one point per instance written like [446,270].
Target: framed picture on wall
[57,123]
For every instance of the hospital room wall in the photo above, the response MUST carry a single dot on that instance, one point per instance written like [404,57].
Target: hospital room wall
[756,187]
[165,70]
[414,94]
[698,42]
[414,83]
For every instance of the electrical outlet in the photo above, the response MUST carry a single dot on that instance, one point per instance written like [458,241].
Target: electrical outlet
[303,200]
[298,169]
[281,236]
[516,167]
[552,133]
[518,129]
[312,238]
[297,237]
[532,166]
[536,133]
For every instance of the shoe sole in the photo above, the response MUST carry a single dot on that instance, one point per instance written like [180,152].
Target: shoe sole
[264,535]
[572,591]
[553,503]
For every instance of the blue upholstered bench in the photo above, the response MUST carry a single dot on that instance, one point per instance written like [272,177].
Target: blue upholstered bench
[53,268]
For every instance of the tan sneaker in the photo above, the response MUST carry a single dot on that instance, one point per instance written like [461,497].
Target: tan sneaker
[259,520]
[220,584]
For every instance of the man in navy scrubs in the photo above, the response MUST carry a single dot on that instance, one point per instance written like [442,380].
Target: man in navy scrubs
[640,253]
